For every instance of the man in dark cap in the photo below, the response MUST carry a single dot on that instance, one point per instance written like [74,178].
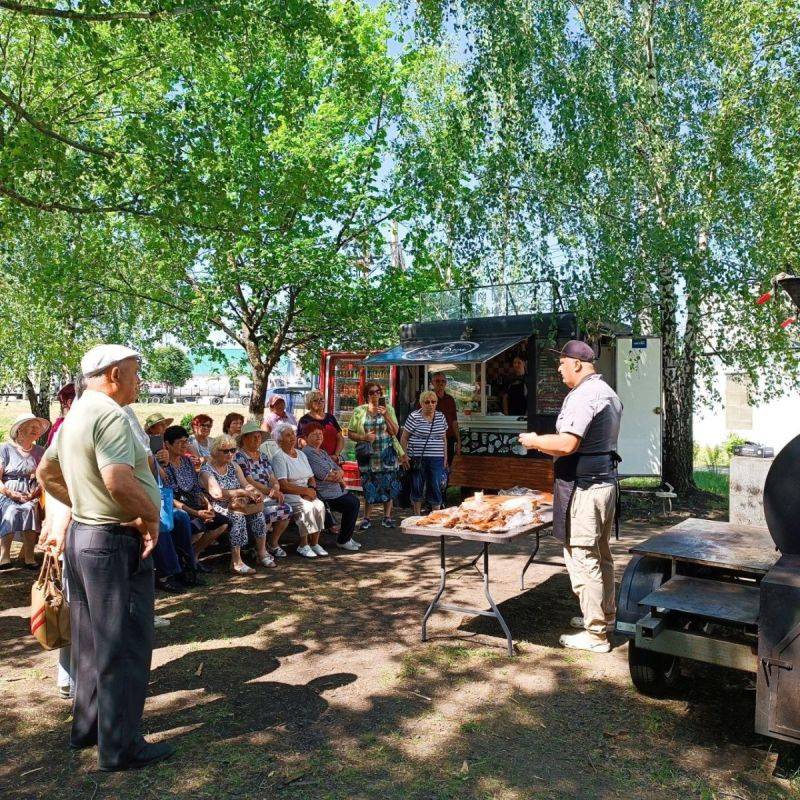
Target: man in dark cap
[585,490]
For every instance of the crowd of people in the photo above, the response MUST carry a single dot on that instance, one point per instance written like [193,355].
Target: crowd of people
[246,484]
[129,506]
[127,490]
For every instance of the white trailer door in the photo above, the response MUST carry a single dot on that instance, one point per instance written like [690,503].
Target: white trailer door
[638,368]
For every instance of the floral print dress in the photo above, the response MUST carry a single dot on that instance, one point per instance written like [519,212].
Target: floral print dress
[239,521]
[261,472]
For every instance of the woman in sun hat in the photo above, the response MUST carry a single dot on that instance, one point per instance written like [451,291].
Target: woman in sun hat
[156,424]
[20,509]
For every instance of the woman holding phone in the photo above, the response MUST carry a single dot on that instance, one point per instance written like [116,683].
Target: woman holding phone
[373,427]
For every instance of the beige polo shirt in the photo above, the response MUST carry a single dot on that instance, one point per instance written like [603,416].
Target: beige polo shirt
[95,434]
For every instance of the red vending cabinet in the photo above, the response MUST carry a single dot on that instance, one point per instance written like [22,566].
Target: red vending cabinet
[342,377]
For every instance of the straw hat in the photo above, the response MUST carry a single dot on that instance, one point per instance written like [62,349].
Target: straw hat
[251,427]
[22,419]
[154,419]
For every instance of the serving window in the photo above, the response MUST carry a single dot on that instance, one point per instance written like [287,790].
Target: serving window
[497,387]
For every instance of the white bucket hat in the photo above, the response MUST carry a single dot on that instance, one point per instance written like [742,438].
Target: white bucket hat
[22,419]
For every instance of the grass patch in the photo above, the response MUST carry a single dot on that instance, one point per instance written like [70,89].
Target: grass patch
[712,482]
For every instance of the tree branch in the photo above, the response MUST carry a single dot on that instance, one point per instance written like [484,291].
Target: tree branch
[40,205]
[339,244]
[49,132]
[111,16]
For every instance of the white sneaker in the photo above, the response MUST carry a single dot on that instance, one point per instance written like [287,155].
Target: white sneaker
[319,549]
[306,552]
[585,641]
[351,545]
[160,622]
[277,552]
[577,622]
[357,544]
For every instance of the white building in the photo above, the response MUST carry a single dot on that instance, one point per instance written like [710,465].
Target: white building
[772,423]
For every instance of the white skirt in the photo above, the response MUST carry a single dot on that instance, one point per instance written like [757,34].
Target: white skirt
[308,514]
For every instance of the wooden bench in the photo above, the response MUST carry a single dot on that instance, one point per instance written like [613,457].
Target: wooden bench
[502,472]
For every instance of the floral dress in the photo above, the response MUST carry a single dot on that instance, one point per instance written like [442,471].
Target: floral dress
[239,521]
[379,478]
[261,472]
[19,475]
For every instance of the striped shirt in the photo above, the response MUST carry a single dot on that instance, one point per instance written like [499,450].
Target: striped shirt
[418,429]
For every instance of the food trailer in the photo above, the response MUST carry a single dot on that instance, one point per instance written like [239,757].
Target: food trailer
[492,342]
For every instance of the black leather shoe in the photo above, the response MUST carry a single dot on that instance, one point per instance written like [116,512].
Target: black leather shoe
[170,585]
[145,755]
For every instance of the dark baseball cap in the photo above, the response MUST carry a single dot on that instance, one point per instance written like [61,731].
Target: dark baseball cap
[576,349]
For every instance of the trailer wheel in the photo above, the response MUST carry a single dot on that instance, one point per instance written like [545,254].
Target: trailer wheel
[216,401]
[652,673]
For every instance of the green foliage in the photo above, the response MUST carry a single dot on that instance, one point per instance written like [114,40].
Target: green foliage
[248,163]
[645,156]
[734,440]
[168,365]
[715,455]
[186,422]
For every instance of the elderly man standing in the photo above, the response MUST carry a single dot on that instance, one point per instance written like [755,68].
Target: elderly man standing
[447,405]
[98,467]
[585,490]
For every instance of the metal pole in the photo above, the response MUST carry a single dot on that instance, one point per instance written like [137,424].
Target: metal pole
[442,583]
[498,616]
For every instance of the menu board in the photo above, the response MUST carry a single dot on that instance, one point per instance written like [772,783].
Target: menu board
[550,389]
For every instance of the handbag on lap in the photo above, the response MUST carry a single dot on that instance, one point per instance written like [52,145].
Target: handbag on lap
[49,609]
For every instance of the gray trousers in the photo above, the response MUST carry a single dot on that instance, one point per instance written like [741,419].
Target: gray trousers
[111,616]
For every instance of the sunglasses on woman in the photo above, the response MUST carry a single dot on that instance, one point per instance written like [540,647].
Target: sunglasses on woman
[227,450]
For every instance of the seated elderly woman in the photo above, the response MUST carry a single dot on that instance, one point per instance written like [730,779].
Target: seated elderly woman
[332,438]
[234,497]
[330,485]
[181,473]
[258,473]
[277,414]
[297,483]
[200,440]
[232,424]
[20,509]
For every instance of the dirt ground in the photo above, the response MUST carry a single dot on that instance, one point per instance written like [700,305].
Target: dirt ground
[310,681]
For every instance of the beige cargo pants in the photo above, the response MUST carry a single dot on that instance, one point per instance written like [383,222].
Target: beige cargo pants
[588,555]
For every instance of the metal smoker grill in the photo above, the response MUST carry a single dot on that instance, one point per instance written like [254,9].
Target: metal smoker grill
[727,595]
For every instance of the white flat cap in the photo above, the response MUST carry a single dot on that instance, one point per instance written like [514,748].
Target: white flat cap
[104,355]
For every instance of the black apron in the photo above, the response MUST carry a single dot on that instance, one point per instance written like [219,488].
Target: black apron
[579,471]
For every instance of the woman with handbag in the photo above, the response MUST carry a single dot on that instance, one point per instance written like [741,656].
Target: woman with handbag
[374,428]
[233,496]
[424,437]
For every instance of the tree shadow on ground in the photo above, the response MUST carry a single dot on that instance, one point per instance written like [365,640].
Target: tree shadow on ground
[545,724]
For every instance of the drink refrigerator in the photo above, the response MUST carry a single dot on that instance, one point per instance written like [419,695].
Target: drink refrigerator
[342,377]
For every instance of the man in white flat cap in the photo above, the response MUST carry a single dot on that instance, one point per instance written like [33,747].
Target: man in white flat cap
[99,468]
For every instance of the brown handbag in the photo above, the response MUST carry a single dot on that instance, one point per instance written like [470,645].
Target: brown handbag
[49,609]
